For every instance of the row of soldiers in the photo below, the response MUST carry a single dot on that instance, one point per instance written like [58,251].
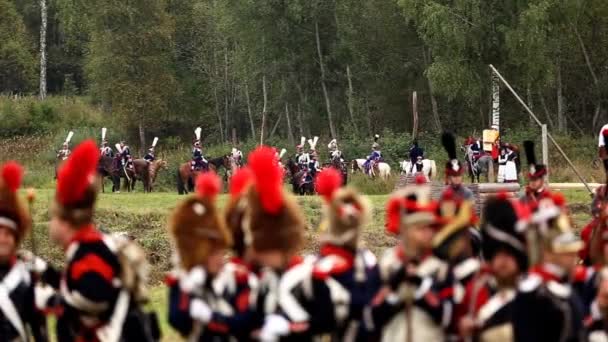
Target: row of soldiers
[437,283]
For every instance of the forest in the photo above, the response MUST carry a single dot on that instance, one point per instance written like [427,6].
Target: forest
[334,68]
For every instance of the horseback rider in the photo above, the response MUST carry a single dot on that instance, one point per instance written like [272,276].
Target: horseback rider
[65,152]
[125,155]
[475,147]
[313,162]
[198,160]
[237,155]
[334,151]
[416,156]
[299,150]
[106,150]
[149,157]
[375,157]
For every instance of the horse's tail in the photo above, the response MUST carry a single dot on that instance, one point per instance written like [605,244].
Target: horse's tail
[180,182]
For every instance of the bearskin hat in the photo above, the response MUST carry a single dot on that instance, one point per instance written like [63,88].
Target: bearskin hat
[457,216]
[553,226]
[503,229]
[453,167]
[196,226]
[411,205]
[536,170]
[273,220]
[235,209]
[76,187]
[14,214]
[346,210]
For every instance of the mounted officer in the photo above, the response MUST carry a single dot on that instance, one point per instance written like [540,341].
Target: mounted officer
[375,157]
[237,155]
[105,150]
[198,160]
[65,152]
[313,162]
[299,150]
[124,154]
[416,155]
[150,157]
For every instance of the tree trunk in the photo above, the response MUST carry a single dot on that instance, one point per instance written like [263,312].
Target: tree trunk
[289,130]
[369,118]
[332,130]
[217,112]
[251,123]
[350,96]
[142,136]
[274,128]
[530,101]
[561,117]
[263,110]
[546,110]
[436,118]
[226,91]
[43,25]
[598,103]
[300,124]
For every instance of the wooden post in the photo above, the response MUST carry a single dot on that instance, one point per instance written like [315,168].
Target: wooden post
[545,142]
[234,142]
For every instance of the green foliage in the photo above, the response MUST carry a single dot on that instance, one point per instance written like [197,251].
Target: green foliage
[17,63]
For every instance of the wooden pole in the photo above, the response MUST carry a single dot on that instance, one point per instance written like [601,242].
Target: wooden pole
[578,174]
[415,115]
[545,143]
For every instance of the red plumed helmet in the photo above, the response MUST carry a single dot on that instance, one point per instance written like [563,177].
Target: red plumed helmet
[393,215]
[77,173]
[12,175]
[559,199]
[239,181]
[420,179]
[208,185]
[328,181]
[268,178]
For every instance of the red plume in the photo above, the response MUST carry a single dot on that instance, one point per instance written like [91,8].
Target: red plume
[559,199]
[393,215]
[208,184]
[240,180]
[328,181]
[420,179]
[268,178]
[76,175]
[12,174]
[503,195]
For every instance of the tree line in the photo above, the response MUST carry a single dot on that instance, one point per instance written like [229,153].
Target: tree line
[337,68]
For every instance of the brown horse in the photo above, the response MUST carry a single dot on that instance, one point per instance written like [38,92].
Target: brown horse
[186,176]
[146,172]
[107,167]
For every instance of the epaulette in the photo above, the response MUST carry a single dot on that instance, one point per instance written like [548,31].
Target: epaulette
[330,265]
[530,283]
[582,273]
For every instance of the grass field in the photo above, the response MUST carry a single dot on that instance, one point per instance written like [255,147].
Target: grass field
[144,216]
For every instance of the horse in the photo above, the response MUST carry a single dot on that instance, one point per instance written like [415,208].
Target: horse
[106,167]
[301,181]
[381,169]
[233,166]
[186,176]
[339,164]
[429,168]
[483,166]
[146,172]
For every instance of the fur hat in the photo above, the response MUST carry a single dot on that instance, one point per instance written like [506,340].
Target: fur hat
[236,207]
[457,217]
[453,167]
[14,214]
[503,229]
[346,211]
[553,227]
[273,220]
[411,205]
[196,226]
[536,170]
[76,187]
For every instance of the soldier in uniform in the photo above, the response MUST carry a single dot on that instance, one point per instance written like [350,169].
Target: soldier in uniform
[64,153]
[454,170]
[206,297]
[416,155]
[237,155]
[19,319]
[198,160]
[149,157]
[536,188]
[485,313]
[375,157]
[102,288]
[125,155]
[106,150]
[546,307]
[274,229]
[313,162]
[413,304]
[344,277]
[299,149]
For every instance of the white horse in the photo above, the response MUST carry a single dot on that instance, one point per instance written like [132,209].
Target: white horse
[384,170]
[429,168]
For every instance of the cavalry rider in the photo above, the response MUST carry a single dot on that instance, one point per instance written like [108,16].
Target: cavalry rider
[416,155]
[454,169]
[537,187]
[237,155]
[375,157]
[313,161]
[125,155]
[65,152]
[105,150]
[198,161]
[102,288]
[475,147]
[19,318]
[485,313]
[299,150]
[547,307]
[149,157]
